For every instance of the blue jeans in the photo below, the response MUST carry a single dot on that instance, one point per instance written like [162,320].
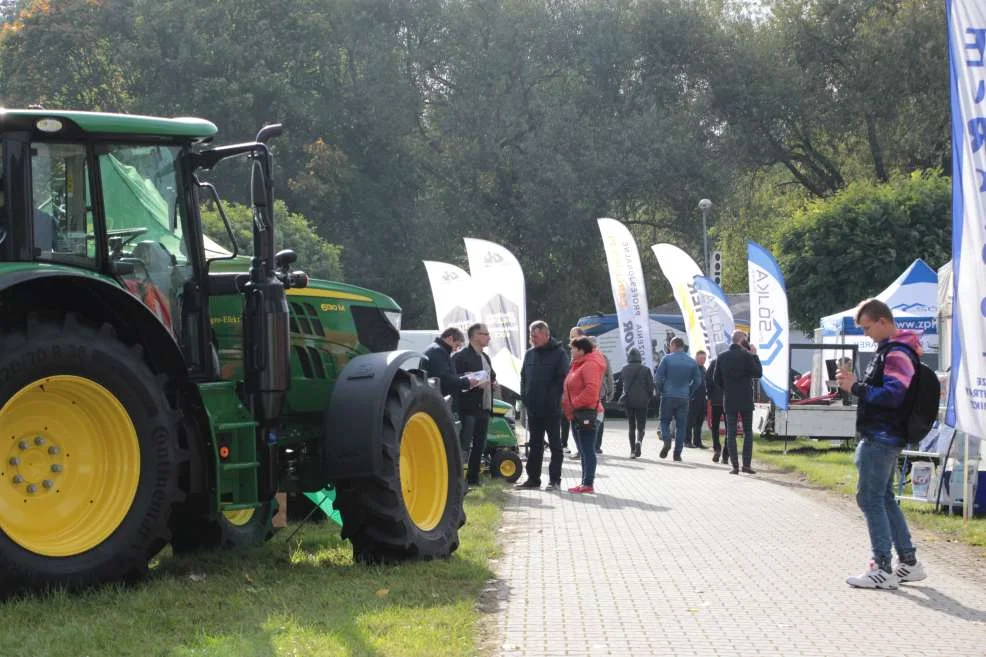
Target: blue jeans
[677,408]
[586,440]
[885,521]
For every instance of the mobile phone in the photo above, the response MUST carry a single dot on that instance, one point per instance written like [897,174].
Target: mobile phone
[745,344]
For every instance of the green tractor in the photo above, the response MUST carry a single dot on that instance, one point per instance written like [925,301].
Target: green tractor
[156,388]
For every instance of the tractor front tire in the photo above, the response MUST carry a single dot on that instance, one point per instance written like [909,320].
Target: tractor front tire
[507,464]
[412,509]
[231,530]
[89,448]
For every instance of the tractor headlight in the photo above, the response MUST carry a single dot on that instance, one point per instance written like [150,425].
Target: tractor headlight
[394,317]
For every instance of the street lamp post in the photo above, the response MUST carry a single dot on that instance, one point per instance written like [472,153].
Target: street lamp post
[705,205]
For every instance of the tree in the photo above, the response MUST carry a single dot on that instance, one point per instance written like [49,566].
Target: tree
[291,230]
[837,251]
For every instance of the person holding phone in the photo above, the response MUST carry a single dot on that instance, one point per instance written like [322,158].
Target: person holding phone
[734,373]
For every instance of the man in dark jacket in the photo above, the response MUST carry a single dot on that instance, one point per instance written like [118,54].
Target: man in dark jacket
[714,393]
[735,371]
[542,377]
[475,404]
[638,390]
[439,365]
[696,406]
[881,423]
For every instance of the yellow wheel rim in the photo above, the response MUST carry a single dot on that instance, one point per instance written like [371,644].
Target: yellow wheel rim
[424,471]
[71,465]
[507,468]
[240,517]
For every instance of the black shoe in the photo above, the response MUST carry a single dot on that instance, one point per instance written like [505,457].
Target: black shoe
[665,450]
[553,485]
[636,449]
[734,471]
[677,458]
[528,484]
[699,446]
[599,451]
[715,456]
[633,453]
[748,470]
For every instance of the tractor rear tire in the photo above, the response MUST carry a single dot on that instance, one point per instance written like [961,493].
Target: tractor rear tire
[412,509]
[89,449]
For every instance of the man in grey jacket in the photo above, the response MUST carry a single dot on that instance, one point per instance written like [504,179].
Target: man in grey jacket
[678,377]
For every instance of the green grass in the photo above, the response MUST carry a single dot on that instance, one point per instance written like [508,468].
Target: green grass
[305,598]
[831,467]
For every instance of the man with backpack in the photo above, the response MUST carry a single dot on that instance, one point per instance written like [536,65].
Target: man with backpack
[886,398]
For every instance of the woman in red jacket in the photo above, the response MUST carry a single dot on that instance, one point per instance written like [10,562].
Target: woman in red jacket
[582,392]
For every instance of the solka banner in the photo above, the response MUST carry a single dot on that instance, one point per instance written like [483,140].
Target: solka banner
[716,316]
[769,328]
[498,284]
[680,270]
[629,294]
[967,64]
[451,288]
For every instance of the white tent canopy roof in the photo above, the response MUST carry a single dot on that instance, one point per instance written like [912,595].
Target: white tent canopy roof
[913,298]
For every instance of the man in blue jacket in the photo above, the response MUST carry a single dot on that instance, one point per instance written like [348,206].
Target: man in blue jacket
[677,379]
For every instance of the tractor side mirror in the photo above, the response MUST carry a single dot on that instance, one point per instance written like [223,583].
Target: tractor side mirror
[284,258]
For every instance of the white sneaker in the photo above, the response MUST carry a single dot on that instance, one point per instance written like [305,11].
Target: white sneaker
[907,573]
[874,578]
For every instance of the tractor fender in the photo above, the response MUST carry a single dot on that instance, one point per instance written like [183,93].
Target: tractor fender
[101,301]
[353,422]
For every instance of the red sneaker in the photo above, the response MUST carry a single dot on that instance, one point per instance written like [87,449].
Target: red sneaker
[581,489]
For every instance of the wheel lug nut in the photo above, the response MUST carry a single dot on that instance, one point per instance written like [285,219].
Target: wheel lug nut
[39,441]
[47,483]
[56,468]
[31,488]
[22,444]
[18,479]
[52,450]
[15,461]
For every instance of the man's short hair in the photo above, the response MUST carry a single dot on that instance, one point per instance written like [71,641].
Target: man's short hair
[739,336]
[472,330]
[700,352]
[677,342]
[583,344]
[875,310]
[539,325]
[454,333]
[577,331]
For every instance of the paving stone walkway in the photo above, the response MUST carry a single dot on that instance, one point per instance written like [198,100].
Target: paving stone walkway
[685,559]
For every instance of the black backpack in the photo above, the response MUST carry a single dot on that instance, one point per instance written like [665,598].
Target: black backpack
[923,397]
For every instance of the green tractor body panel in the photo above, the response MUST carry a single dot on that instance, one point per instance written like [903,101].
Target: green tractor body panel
[500,432]
[330,322]
[121,124]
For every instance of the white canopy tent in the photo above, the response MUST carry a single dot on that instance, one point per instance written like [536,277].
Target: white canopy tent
[913,298]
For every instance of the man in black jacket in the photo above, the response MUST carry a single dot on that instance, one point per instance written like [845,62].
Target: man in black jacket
[475,404]
[439,366]
[735,371]
[714,394]
[696,407]
[542,378]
